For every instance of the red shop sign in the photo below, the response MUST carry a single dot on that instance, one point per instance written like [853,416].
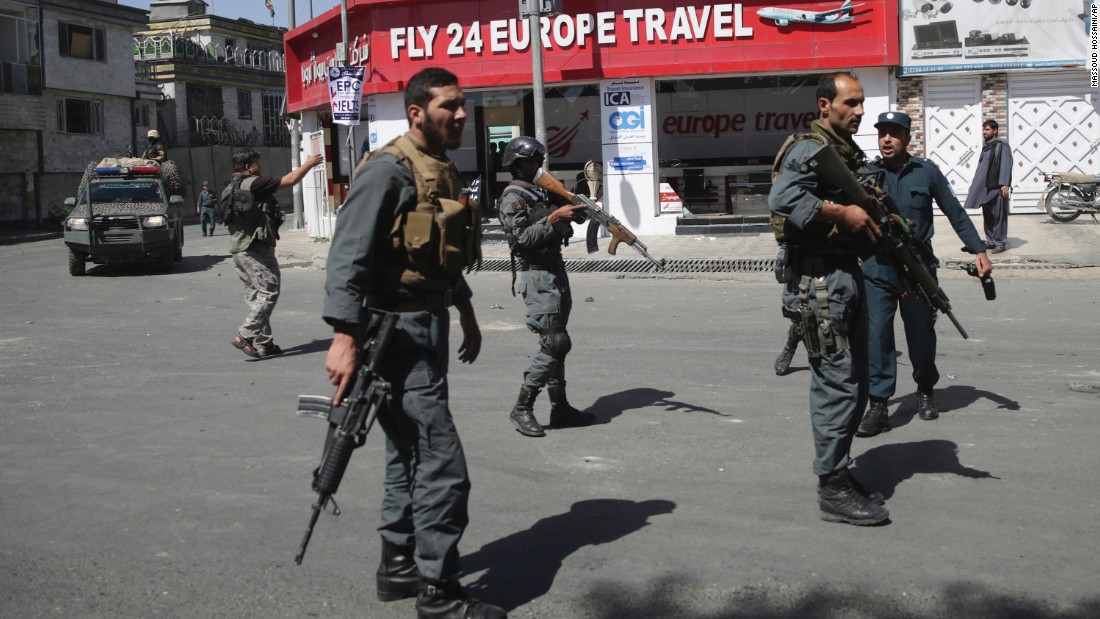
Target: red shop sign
[487,44]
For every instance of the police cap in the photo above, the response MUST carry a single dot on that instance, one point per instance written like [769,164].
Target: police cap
[900,119]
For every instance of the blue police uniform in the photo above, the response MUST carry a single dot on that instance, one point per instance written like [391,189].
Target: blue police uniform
[914,187]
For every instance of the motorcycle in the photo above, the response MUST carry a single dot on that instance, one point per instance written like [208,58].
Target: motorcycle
[1068,194]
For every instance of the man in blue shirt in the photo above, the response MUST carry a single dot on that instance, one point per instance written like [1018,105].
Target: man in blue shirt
[914,183]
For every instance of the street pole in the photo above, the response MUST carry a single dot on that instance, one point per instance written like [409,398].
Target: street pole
[344,61]
[295,142]
[537,86]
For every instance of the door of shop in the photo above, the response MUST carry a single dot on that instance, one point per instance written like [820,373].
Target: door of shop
[953,128]
[1054,125]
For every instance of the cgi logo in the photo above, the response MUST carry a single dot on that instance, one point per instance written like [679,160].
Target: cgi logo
[616,99]
[627,120]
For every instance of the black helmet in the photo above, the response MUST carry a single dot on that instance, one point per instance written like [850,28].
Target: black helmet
[522,147]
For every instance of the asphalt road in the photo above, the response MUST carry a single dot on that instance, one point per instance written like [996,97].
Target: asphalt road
[148,469]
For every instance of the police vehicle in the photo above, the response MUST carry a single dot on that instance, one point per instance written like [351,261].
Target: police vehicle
[124,213]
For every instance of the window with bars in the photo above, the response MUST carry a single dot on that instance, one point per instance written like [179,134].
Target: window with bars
[275,131]
[79,115]
[205,101]
[77,41]
[244,103]
[141,115]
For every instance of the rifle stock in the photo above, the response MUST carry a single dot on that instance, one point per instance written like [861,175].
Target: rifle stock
[898,247]
[598,217]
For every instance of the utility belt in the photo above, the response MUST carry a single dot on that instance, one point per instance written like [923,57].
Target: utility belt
[409,300]
[548,262]
[821,331]
[822,264]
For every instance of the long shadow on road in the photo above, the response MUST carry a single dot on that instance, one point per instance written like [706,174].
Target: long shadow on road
[611,406]
[666,598]
[521,567]
[885,467]
[950,399]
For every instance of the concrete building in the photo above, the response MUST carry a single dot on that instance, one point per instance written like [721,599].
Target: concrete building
[68,92]
[222,84]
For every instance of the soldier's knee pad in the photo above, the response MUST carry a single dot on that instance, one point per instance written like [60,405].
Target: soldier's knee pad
[557,345]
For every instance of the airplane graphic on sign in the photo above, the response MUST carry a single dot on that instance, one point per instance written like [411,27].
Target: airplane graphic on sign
[785,17]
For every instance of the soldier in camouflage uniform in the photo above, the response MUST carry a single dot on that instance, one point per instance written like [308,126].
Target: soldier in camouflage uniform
[537,230]
[155,149]
[252,243]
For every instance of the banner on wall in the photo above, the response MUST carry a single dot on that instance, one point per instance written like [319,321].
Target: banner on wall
[941,35]
[345,94]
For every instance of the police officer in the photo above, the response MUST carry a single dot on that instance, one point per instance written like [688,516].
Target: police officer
[825,235]
[537,228]
[204,207]
[155,149]
[392,250]
[914,183]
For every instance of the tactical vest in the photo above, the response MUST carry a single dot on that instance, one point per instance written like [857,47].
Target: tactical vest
[537,206]
[818,237]
[431,244]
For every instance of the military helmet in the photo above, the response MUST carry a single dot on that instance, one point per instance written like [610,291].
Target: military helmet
[522,147]
[153,133]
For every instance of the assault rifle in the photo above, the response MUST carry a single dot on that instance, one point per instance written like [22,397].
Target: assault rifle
[597,217]
[350,419]
[908,255]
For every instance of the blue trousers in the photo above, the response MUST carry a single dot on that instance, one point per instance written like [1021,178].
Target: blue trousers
[919,321]
[548,302]
[427,485]
[838,385]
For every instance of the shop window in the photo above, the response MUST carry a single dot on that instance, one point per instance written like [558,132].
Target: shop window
[79,115]
[78,41]
[244,103]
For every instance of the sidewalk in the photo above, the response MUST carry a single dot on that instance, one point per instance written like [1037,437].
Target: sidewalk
[1032,239]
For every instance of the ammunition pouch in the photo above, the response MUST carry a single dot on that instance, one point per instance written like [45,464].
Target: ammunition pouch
[822,333]
[431,244]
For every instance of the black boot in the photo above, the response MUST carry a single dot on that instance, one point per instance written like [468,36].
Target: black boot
[926,407]
[445,599]
[875,497]
[398,576]
[562,414]
[839,501]
[875,421]
[204,230]
[783,361]
[523,414]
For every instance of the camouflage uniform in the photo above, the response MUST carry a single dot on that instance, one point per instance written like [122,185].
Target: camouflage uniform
[252,243]
[258,269]
[155,151]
